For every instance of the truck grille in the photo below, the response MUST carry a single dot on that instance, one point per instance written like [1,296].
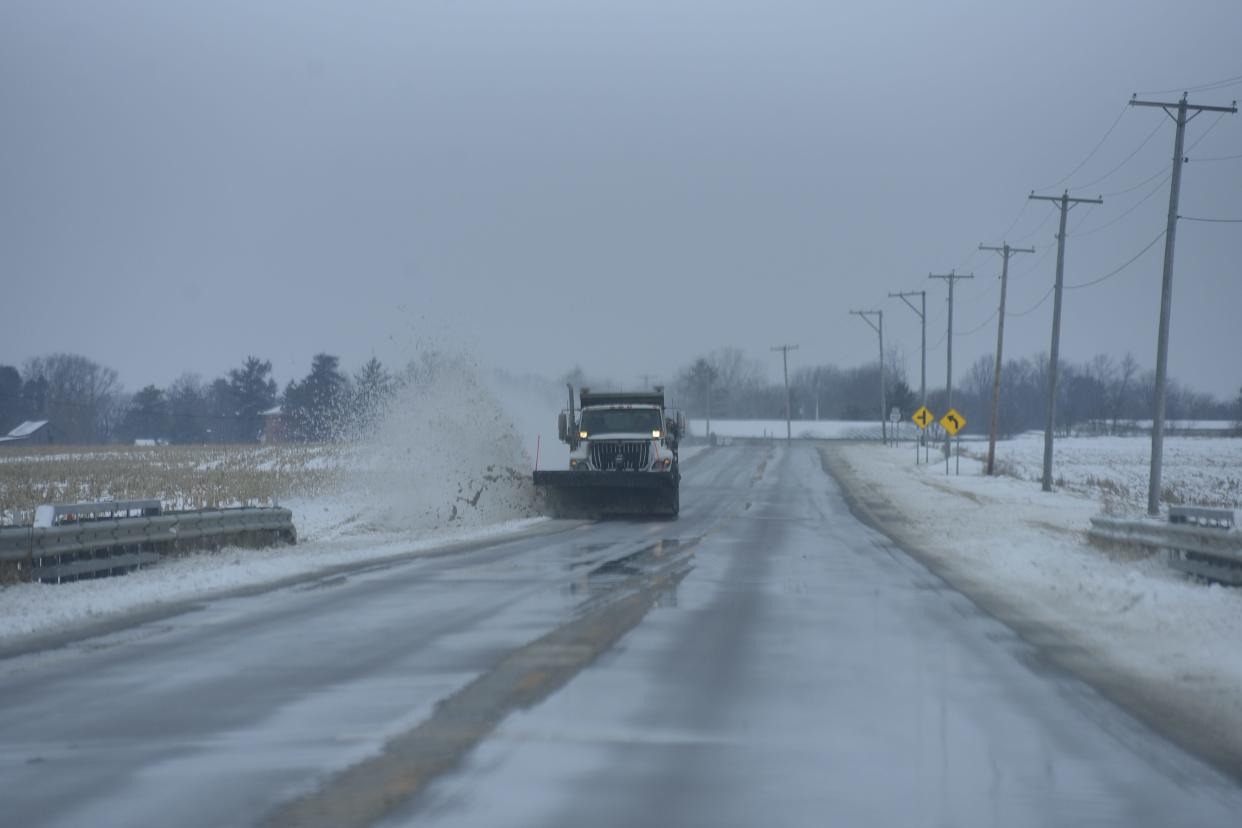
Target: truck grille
[618,455]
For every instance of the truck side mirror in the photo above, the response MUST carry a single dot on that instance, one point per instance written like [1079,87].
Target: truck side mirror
[562,427]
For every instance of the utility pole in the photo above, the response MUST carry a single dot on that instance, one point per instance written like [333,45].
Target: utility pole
[922,314]
[1006,251]
[785,349]
[952,276]
[1166,284]
[710,373]
[1066,204]
[865,315]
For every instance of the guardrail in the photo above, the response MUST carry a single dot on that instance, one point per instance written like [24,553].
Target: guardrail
[1202,542]
[91,548]
[52,514]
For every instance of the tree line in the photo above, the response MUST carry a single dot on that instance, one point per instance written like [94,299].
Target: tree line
[1101,394]
[86,403]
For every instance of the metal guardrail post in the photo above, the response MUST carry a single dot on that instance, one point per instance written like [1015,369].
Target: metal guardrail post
[1200,542]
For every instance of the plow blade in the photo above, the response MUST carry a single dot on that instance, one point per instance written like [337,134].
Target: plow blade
[590,494]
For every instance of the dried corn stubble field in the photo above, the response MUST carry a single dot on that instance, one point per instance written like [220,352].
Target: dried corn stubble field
[184,477]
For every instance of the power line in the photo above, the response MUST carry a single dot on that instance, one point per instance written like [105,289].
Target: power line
[1134,207]
[981,326]
[1161,171]
[984,289]
[1124,161]
[1153,191]
[1034,307]
[1091,154]
[1143,183]
[1086,214]
[1015,221]
[1206,132]
[1115,271]
[1047,248]
[1203,87]
[1052,211]
[1214,220]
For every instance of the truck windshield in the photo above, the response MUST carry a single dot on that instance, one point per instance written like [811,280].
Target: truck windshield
[621,421]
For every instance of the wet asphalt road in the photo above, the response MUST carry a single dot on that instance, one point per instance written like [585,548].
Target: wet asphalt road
[765,659]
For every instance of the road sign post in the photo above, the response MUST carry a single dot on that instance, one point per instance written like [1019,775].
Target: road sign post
[952,422]
[922,418]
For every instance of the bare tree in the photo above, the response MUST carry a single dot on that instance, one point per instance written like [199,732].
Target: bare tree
[80,395]
[1122,389]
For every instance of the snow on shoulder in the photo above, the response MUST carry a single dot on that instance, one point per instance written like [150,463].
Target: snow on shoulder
[1162,644]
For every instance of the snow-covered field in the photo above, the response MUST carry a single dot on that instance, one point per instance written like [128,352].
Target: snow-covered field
[1202,471]
[1154,637]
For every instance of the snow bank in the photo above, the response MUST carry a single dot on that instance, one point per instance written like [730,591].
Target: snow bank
[1166,645]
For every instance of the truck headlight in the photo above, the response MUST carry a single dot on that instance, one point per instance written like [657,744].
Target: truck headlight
[578,465]
[666,463]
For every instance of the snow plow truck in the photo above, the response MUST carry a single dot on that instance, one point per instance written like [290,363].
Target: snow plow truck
[622,456]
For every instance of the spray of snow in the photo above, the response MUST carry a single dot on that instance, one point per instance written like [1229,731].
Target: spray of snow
[445,454]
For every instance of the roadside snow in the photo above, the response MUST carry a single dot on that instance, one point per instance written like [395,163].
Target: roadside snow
[33,609]
[684,454]
[812,429]
[1166,643]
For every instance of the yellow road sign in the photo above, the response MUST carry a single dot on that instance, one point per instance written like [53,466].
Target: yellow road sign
[923,417]
[952,421]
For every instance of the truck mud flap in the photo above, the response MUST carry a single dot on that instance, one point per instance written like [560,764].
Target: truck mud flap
[591,494]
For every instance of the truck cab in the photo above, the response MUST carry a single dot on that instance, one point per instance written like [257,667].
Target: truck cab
[623,455]
[623,437]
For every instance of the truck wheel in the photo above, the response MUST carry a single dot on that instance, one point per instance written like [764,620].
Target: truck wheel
[676,504]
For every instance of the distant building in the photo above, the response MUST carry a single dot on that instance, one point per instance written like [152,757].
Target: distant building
[273,426]
[29,433]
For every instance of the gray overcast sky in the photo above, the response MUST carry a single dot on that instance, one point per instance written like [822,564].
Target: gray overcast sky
[618,185]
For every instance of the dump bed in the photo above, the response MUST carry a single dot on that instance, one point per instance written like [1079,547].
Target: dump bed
[588,398]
